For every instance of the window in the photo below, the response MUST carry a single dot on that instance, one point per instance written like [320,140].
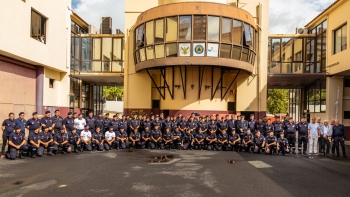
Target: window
[199,27]
[185,28]
[159,51]
[149,33]
[226,28]
[340,39]
[149,53]
[51,81]
[159,31]
[346,114]
[247,35]
[236,52]
[237,32]
[140,36]
[96,44]
[171,50]
[171,29]
[117,49]
[213,28]
[225,50]
[38,27]
[316,97]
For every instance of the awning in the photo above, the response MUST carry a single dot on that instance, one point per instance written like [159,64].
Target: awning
[292,81]
[101,79]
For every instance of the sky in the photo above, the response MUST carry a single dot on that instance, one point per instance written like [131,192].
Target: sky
[285,15]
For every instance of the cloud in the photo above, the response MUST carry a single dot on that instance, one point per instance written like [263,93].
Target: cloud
[286,15]
[92,10]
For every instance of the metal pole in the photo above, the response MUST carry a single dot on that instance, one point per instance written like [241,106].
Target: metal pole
[337,104]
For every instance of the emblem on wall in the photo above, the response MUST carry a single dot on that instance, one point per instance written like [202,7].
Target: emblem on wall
[184,49]
[198,49]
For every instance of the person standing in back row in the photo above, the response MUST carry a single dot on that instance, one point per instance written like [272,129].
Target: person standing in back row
[339,135]
[8,126]
[313,134]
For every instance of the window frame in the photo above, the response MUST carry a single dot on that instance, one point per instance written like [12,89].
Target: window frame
[31,25]
[335,37]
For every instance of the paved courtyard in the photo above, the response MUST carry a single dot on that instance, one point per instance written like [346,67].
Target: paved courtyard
[189,173]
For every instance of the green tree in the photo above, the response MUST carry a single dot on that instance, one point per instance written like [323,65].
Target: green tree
[113,92]
[277,101]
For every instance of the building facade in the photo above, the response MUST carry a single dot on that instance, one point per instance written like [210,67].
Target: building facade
[202,56]
[106,25]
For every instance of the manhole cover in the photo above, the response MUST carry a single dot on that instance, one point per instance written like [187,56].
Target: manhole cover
[18,182]
[159,159]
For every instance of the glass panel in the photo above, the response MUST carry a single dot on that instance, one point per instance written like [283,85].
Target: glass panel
[298,67]
[236,52]
[317,106]
[185,31]
[323,106]
[117,49]
[86,49]
[275,67]
[106,66]
[171,50]
[245,54]
[226,27]
[213,28]
[252,37]
[286,68]
[247,35]
[318,67]
[142,55]
[85,66]
[213,50]
[319,29]
[137,56]
[77,48]
[96,66]
[38,27]
[253,59]
[344,37]
[319,48]
[159,49]
[149,53]
[96,48]
[72,45]
[237,32]
[298,50]
[140,39]
[225,50]
[338,39]
[159,31]
[76,65]
[324,25]
[106,49]
[117,66]
[136,35]
[149,33]
[199,27]
[171,29]
[287,49]
[275,49]
[310,50]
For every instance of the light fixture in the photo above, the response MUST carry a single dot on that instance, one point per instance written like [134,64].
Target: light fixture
[177,86]
[207,87]
[192,86]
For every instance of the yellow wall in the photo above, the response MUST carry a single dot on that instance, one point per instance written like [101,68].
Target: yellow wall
[58,95]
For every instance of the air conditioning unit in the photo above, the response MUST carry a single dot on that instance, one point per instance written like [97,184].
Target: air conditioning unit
[301,30]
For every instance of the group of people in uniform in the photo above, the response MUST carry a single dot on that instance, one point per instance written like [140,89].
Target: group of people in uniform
[228,133]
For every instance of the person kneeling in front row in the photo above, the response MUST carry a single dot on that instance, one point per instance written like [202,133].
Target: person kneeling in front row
[61,142]
[17,143]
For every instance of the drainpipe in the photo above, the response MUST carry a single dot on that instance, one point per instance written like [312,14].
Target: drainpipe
[39,89]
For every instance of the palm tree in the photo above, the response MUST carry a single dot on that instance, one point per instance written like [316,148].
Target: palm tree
[112,93]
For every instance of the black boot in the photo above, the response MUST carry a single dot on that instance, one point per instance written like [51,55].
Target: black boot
[21,155]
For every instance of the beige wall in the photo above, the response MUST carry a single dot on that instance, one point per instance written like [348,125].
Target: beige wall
[335,20]
[58,95]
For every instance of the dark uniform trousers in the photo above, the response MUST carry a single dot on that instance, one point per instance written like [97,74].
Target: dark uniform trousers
[212,146]
[236,146]
[187,145]
[258,148]
[109,147]
[272,148]
[23,150]
[41,149]
[33,150]
[337,141]
[249,145]
[325,142]
[198,146]
[85,146]
[291,139]
[121,144]
[168,145]
[223,146]
[137,144]
[283,148]
[158,144]
[145,144]
[64,147]
[97,146]
[303,139]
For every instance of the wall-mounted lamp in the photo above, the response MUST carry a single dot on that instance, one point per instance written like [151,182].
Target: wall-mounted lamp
[207,87]
[192,86]
[177,86]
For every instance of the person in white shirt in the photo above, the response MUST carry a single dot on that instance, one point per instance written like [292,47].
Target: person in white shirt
[110,139]
[326,134]
[79,123]
[85,138]
[313,134]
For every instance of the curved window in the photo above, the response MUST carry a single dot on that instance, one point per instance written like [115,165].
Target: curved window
[159,31]
[159,49]
[245,53]
[140,36]
[185,28]
[237,32]
[171,50]
[149,53]
[149,33]
[213,28]
[226,27]
[236,52]
[225,51]
[171,29]
[247,41]
[199,27]
[142,55]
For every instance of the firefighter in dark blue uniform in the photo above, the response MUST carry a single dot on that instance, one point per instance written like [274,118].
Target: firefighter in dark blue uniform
[97,140]
[46,141]
[278,127]
[99,123]
[242,127]
[121,138]
[167,124]
[223,141]
[57,122]
[271,143]
[21,122]
[61,141]
[182,125]
[134,139]
[177,138]
[156,122]
[156,138]
[231,125]
[68,123]
[106,122]
[114,123]
[202,124]
[191,124]
[8,126]
[211,139]
[269,127]
[260,126]
[303,134]
[234,141]
[91,121]
[290,132]
[134,124]
[74,140]
[17,143]
[146,138]
[47,121]
[187,140]
[34,143]
[282,144]
[259,142]
[199,139]
[252,124]
[146,123]
[222,126]
[33,123]
[167,139]
[248,141]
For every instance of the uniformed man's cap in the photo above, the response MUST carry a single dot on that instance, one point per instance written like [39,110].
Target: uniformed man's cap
[303,117]
[212,129]
[123,115]
[20,113]
[146,127]
[86,125]
[47,127]
[90,112]
[34,113]
[201,117]
[166,127]
[111,127]
[281,133]
[127,115]
[62,129]
[277,116]
[167,116]
[287,114]
[98,127]
[121,127]
[107,114]
[114,116]
[251,115]
[47,112]
[57,110]
[222,118]
[147,116]
[206,116]
[257,131]
[99,113]
[18,127]
[271,131]
[75,113]
[69,113]
[74,129]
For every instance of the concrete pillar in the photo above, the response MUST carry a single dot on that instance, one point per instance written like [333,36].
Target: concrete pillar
[39,89]
[332,84]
